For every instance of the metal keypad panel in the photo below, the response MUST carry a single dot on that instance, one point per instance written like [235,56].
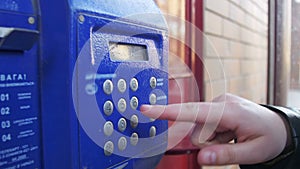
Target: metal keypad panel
[125,119]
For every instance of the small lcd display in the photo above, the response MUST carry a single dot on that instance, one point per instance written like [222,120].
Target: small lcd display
[127,52]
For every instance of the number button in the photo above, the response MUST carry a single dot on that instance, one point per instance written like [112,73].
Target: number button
[134,121]
[153,82]
[108,128]
[108,108]
[122,124]
[134,102]
[152,132]
[108,87]
[122,143]
[134,139]
[134,84]
[122,85]
[108,148]
[152,99]
[122,105]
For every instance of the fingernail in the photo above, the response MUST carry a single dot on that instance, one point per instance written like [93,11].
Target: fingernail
[145,108]
[209,157]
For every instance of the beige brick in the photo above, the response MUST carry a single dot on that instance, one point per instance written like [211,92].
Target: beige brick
[251,22]
[213,23]
[248,6]
[213,70]
[214,89]
[237,2]
[248,67]
[232,68]
[246,35]
[236,49]
[235,85]
[263,5]
[231,30]
[236,14]
[219,6]
[216,46]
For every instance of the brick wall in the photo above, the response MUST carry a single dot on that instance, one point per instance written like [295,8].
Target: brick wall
[235,53]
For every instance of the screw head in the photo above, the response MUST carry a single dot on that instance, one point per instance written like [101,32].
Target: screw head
[31,20]
[81,18]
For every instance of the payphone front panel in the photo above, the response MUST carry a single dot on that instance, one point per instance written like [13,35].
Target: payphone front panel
[100,61]
[120,66]
[19,96]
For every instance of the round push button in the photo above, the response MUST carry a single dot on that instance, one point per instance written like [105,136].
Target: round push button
[122,105]
[108,148]
[134,139]
[152,99]
[134,84]
[134,102]
[134,121]
[122,85]
[122,143]
[122,124]
[152,132]
[153,82]
[108,87]
[108,128]
[108,108]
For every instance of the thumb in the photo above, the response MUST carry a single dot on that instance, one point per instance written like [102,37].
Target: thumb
[241,153]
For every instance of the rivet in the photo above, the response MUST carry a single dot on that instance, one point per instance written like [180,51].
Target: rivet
[31,20]
[81,18]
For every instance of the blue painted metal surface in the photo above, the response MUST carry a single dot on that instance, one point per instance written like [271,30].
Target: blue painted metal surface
[75,38]
[20,141]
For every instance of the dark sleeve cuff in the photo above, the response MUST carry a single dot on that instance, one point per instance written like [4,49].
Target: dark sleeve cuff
[288,159]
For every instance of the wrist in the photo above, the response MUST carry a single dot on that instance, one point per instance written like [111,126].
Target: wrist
[291,122]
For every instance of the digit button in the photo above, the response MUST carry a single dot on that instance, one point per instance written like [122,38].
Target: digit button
[134,102]
[153,82]
[122,85]
[108,128]
[108,87]
[122,143]
[134,84]
[122,105]
[108,108]
[122,124]
[108,148]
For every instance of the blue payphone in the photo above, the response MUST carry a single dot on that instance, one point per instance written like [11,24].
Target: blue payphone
[20,145]
[100,60]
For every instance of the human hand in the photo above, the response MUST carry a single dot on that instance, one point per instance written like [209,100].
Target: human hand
[260,133]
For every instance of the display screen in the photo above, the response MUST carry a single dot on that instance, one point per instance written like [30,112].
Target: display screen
[127,52]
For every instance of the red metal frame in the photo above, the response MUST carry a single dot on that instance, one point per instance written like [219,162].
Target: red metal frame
[184,155]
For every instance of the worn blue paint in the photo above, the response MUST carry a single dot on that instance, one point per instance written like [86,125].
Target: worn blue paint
[20,139]
[64,39]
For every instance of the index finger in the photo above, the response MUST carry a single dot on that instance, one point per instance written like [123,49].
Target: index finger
[199,112]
